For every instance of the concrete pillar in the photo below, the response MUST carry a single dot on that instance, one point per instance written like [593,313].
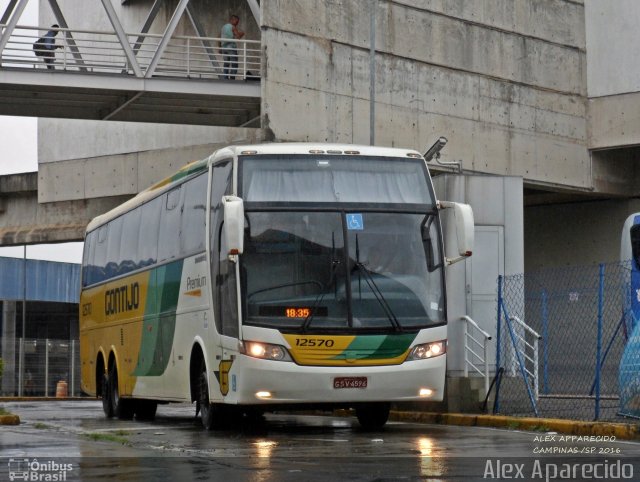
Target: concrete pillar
[9,354]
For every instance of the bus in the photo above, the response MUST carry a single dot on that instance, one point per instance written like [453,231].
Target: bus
[271,277]
[629,368]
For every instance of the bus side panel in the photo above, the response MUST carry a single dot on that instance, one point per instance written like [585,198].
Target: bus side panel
[193,321]
[111,322]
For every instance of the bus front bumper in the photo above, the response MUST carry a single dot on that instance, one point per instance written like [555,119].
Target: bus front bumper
[254,381]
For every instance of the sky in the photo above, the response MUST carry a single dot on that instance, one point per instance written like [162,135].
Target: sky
[19,153]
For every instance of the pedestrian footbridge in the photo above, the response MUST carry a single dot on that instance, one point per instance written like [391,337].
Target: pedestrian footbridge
[128,76]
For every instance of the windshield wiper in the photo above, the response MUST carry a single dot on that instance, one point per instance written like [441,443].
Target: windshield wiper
[378,295]
[375,290]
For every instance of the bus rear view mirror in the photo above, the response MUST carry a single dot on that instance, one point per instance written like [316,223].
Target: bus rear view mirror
[463,215]
[233,224]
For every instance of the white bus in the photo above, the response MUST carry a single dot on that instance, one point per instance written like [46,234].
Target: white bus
[269,277]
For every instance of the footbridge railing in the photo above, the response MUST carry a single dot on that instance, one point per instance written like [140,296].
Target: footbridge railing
[141,55]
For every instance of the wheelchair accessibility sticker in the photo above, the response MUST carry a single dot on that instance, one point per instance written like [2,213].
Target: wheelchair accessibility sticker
[354,222]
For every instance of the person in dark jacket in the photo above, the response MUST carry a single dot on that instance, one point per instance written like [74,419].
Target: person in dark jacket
[45,47]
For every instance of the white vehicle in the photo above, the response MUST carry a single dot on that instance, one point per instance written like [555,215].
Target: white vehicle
[271,276]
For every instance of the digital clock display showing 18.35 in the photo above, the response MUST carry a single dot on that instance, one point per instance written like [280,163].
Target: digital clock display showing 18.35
[301,312]
[297,312]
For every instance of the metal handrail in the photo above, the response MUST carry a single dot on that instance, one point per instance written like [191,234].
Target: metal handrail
[467,349]
[534,347]
[526,327]
[101,51]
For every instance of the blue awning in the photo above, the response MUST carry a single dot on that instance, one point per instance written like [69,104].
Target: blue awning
[46,280]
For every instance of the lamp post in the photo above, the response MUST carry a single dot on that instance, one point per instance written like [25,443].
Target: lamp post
[24,323]
[372,73]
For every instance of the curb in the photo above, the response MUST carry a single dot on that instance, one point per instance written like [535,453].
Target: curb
[9,420]
[42,399]
[624,431]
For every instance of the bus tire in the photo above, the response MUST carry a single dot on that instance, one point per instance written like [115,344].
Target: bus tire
[122,408]
[210,413]
[107,406]
[373,416]
[146,409]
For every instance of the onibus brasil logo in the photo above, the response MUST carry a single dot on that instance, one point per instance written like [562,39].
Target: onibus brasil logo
[33,470]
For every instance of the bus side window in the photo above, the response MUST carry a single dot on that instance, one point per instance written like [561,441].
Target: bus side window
[127,261]
[192,223]
[169,246]
[634,233]
[100,255]
[88,261]
[148,239]
[114,241]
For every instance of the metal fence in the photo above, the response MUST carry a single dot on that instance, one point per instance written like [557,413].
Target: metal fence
[561,334]
[51,368]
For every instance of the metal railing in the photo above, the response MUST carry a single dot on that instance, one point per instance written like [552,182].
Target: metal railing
[475,361]
[528,352]
[101,52]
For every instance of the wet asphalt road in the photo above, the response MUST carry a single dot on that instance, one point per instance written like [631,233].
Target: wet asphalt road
[281,447]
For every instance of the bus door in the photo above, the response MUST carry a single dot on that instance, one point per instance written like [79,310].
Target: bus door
[223,336]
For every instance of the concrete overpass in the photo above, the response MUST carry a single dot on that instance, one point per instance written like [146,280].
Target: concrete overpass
[25,221]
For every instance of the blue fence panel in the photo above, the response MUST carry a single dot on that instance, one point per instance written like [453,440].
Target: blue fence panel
[582,315]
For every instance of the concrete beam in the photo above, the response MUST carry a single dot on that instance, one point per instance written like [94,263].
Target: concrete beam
[614,121]
[25,221]
[18,183]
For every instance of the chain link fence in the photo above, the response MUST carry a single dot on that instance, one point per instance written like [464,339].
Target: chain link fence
[561,335]
[51,368]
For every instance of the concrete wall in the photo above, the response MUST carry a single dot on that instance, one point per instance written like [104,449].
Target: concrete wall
[612,54]
[613,73]
[86,160]
[575,234]
[504,81]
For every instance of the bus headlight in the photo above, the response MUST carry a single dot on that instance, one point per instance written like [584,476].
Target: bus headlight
[266,351]
[428,350]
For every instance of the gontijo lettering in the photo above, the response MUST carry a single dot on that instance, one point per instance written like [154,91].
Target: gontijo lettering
[123,298]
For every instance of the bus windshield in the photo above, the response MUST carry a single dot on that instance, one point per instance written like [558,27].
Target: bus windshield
[347,267]
[335,179]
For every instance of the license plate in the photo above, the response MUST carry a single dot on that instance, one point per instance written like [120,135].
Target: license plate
[350,382]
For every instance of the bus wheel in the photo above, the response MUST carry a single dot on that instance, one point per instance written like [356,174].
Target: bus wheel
[145,409]
[122,407]
[210,414]
[107,406]
[373,415]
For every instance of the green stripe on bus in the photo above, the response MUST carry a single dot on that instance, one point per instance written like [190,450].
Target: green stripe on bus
[376,347]
[393,346]
[160,321]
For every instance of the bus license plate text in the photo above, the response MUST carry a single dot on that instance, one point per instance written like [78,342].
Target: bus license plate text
[350,382]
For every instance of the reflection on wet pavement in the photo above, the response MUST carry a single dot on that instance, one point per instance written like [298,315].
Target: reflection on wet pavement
[276,447]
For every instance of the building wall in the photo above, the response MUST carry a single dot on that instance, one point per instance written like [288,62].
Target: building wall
[504,81]
[575,234]
[612,54]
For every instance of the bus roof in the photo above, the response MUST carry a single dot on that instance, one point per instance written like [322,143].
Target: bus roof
[275,148]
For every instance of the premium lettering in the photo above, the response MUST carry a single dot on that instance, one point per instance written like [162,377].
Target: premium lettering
[121,299]
[196,283]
